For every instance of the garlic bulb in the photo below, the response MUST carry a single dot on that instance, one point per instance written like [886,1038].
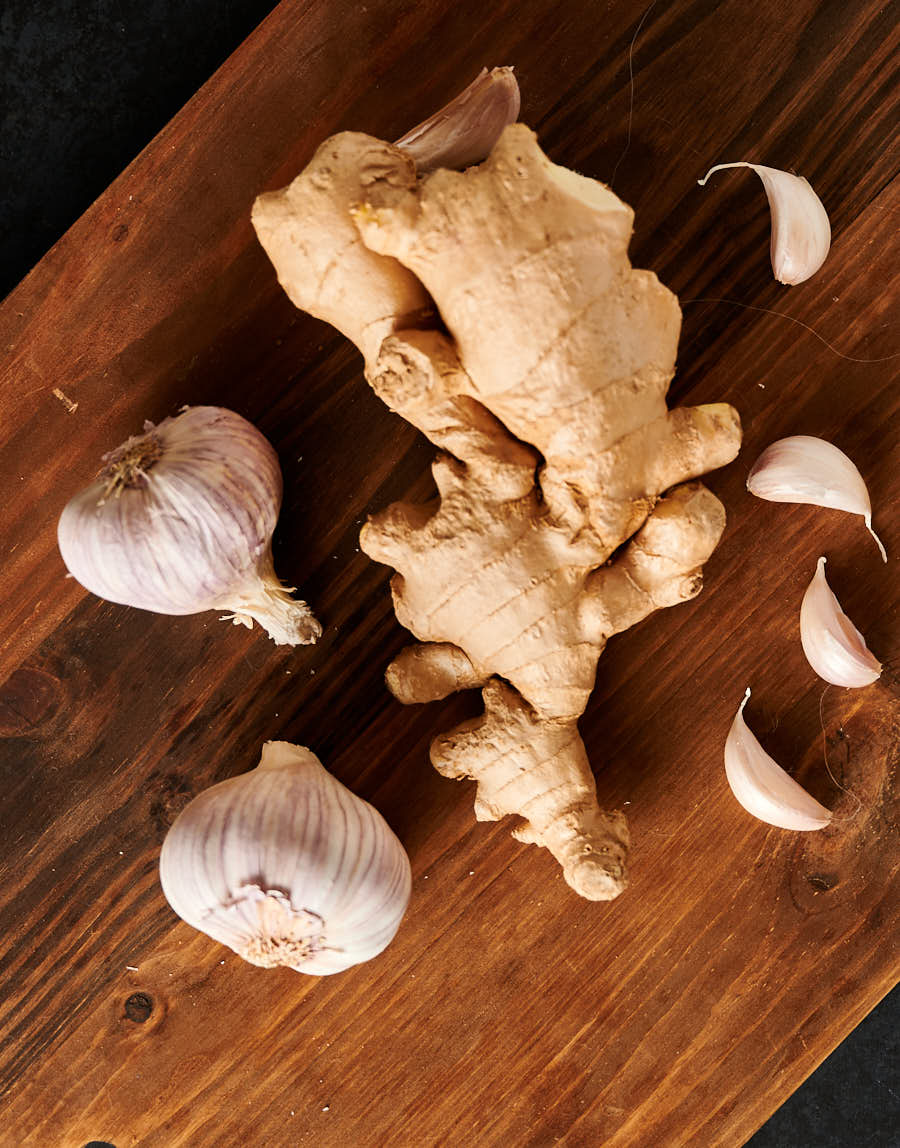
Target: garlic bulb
[464,131]
[801,232]
[834,647]
[812,471]
[180,520]
[762,787]
[287,867]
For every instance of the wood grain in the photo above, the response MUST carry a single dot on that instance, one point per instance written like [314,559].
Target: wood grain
[507,1011]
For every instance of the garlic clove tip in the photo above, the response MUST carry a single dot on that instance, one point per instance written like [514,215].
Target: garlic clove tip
[867,518]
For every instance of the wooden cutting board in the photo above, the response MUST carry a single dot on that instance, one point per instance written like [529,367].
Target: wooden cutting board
[507,1011]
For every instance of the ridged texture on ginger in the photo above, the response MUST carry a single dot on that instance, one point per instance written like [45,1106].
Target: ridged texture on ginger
[546,397]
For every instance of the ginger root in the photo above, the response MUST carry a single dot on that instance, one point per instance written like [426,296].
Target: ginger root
[545,392]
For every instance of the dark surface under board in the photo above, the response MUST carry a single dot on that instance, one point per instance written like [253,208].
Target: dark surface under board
[86,87]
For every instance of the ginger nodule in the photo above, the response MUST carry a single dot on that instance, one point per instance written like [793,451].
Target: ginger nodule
[497,311]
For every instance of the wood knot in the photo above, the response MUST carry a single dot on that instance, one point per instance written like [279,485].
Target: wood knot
[822,882]
[174,794]
[28,699]
[138,1007]
[119,232]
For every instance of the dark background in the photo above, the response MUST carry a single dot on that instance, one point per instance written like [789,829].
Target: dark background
[84,86]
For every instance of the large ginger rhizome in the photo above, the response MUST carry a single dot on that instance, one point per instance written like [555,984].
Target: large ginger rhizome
[547,399]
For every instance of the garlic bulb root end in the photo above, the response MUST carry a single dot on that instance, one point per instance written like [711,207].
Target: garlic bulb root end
[284,935]
[287,621]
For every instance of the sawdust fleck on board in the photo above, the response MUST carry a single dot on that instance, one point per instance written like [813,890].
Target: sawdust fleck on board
[66,401]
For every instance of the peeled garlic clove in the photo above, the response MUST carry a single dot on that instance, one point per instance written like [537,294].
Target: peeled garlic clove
[811,471]
[834,647]
[287,867]
[180,520]
[762,787]
[464,131]
[801,232]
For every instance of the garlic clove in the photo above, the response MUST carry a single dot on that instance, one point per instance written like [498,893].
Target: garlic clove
[287,867]
[762,787]
[815,472]
[834,647]
[464,131]
[180,520]
[801,232]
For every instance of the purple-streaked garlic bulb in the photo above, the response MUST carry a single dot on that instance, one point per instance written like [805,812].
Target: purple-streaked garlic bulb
[180,520]
[287,867]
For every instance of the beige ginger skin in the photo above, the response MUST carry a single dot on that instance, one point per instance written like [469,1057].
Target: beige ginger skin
[546,397]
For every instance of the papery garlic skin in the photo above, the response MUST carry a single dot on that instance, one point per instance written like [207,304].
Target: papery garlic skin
[287,867]
[465,130]
[801,231]
[834,647]
[762,787]
[811,470]
[180,520]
